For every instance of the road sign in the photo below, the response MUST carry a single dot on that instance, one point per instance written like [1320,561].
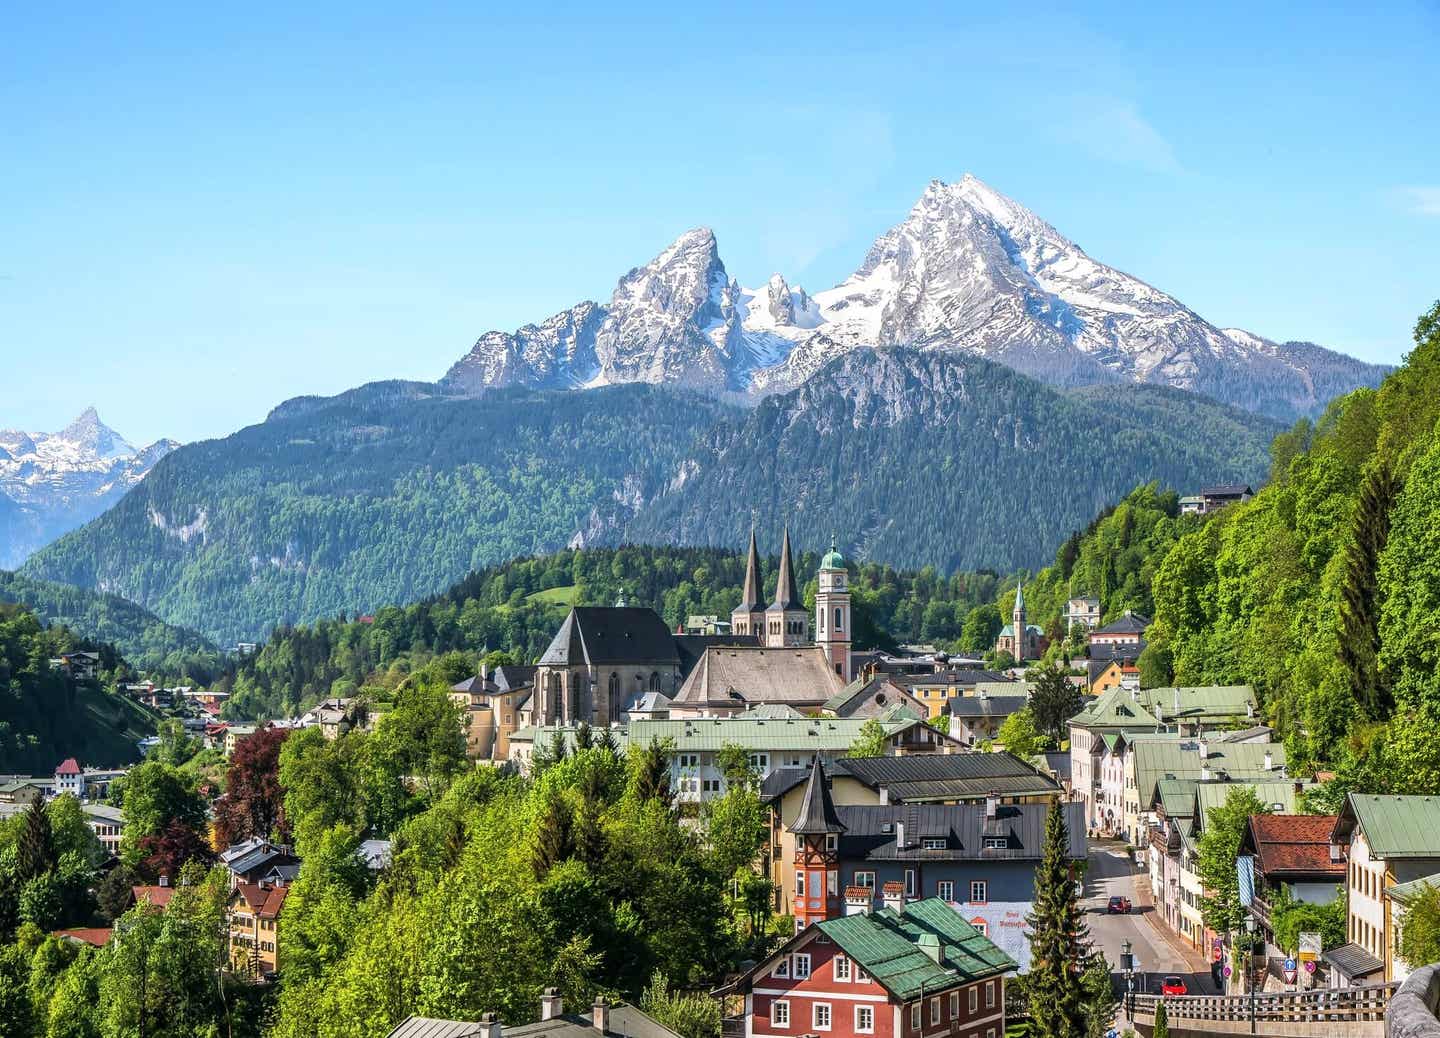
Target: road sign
[1228,971]
[1290,965]
[1310,946]
[1289,976]
[1309,967]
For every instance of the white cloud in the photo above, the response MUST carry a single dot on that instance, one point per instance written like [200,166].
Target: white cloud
[1113,129]
[1422,200]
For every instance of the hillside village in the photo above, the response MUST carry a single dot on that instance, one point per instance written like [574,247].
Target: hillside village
[905,795]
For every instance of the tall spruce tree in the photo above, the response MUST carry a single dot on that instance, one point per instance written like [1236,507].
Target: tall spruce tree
[1059,941]
[1360,594]
[35,850]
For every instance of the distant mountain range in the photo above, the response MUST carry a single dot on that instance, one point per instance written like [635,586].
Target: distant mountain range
[967,270]
[390,492]
[51,483]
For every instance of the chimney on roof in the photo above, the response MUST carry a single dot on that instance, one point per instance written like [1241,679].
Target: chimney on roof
[1204,748]
[884,795]
[899,836]
[164,880]
[600,1014]
[930,945]
[1269,760]
[1177,700]
[550,1004]
[894,895]
[859,900]
[992,803]
[489,1025]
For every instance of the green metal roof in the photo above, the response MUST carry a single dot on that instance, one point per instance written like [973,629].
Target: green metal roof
[801,734]
[1210,795]
[1404,892]
[1157,759]
[1398,826]
[887,945]
[1115,708]
[1177,796]
[1202,701]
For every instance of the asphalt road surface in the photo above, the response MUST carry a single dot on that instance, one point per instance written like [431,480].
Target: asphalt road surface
[1110,872]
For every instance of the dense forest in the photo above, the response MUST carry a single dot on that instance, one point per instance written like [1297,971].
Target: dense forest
[45,715]
[932,458]
[146,641]
[392,492]
[1324,591]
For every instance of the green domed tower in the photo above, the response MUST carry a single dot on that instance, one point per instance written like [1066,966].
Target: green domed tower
[832,612]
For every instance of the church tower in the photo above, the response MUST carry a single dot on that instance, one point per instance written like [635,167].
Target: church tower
[1017,620]
[832,613]
[786,621]
[749,616]
[816,829]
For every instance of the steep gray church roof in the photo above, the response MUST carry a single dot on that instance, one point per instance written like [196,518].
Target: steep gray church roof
[594,635]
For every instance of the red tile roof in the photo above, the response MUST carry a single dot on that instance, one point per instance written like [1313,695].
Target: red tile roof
[158,896]
[99,936]
[264,899]
[68,767]
[1293,845]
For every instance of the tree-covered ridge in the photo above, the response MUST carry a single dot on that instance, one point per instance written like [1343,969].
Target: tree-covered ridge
[517,607]
[381,495]
[46,715]
[948,460]
[1324,590]
[146,641]
[391,492]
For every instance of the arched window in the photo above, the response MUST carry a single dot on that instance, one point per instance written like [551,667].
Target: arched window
[614,688]
[839,626]
[654,681]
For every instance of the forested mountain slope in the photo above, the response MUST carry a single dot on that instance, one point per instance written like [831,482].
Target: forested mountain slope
[45,716]
[380,495]
[928,458]
[393,491]
[146,641]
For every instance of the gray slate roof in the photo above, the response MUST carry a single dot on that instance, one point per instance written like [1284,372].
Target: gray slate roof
[594,635]
[871,831]
[927,776]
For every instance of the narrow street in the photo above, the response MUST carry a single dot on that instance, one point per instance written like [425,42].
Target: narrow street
[1157,952]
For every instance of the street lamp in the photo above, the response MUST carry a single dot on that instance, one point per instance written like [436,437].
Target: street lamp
[1127,963]
[1249,965]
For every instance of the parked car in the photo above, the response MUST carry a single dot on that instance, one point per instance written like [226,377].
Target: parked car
[1173,985]
[1118,905]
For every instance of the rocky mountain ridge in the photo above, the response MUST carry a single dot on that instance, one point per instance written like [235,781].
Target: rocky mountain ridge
[967,270]
[51,483]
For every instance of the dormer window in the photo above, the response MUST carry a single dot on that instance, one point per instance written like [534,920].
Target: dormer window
[931,843]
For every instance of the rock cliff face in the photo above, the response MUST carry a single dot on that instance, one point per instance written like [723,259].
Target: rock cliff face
[51,483]
[968,270]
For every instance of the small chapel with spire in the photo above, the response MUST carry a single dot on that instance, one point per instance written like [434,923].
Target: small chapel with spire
[1022,640]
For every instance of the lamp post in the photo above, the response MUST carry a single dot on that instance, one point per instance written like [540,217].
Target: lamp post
[1127,964]
[1249,965]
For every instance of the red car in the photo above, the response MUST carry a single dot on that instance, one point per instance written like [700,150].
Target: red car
[1173,985]
[1118,904]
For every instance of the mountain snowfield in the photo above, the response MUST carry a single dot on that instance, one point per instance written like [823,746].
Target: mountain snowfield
[51,483]
[968,269]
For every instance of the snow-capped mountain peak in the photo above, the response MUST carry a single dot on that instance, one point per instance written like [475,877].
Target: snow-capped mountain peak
[967,269]
[60,480]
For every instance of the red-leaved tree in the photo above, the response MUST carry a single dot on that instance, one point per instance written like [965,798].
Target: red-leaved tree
[254,802]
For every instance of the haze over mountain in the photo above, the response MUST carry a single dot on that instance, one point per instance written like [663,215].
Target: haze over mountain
[53,482]
[967,270]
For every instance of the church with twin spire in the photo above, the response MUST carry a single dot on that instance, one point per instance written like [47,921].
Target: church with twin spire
[785,622]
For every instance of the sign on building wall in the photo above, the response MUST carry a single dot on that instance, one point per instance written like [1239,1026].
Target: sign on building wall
[1310,946]
[1004,923]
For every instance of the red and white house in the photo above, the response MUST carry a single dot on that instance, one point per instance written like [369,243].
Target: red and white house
[918,972]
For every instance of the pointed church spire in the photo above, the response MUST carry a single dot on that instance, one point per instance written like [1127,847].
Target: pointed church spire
[785,597]
[817,811]
[1020,597]
[750,598]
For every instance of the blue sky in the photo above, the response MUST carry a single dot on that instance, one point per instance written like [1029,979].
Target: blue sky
[203,213]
